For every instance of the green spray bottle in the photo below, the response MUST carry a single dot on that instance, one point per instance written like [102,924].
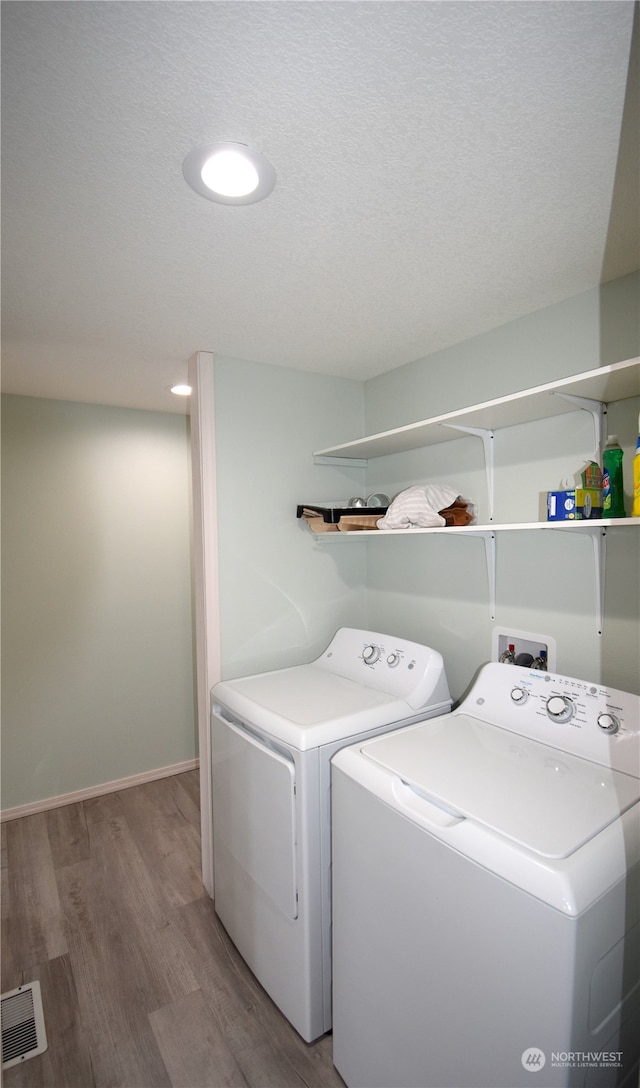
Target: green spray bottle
[612,482]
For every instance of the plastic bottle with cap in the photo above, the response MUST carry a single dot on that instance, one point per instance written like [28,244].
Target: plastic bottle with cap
[612,482]
[635,512]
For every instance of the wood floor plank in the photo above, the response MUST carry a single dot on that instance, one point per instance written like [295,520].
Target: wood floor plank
[193,1047]
[266,1047]
[120,975]
[166,838]
[107,902]
[113,1026]
[68,835]
[32,926]
[178,795]
[127,961]
[190,783]
[137,888]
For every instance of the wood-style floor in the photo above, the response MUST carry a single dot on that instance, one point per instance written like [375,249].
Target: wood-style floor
[141,986]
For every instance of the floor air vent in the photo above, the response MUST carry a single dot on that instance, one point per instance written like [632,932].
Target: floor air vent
[23,1031]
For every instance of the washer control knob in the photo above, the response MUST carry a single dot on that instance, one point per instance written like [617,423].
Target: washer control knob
[559,708]
[393,660]
[608,723]
[370,654]
[519,695]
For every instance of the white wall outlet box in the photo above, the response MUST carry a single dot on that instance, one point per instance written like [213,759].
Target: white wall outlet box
[523,642]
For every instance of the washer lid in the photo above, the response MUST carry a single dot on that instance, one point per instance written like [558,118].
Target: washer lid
[540,798]
[307,706]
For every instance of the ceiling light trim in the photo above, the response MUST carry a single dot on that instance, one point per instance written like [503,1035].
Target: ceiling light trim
[199,156]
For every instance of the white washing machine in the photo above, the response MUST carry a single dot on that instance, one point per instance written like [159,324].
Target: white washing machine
[486,892]
[273,736]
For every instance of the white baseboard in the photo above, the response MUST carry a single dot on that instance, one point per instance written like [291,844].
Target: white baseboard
[96,791]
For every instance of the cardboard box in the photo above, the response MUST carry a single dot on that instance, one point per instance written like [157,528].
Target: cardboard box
[579,504]
[591,477]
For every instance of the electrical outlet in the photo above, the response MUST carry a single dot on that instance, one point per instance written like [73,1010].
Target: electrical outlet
[523,642]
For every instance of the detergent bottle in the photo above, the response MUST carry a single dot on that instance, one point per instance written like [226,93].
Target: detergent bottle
[612,483]
[635,512]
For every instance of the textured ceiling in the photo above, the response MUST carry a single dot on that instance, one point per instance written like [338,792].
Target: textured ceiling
[443,167]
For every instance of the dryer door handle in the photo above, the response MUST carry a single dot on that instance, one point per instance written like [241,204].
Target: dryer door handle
[430,810]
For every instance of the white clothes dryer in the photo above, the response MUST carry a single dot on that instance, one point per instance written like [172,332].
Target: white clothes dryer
[486,899]
[273,736]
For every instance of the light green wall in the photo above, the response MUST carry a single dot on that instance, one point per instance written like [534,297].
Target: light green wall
[282,594]
[96,596]
[435,590]
[594,329]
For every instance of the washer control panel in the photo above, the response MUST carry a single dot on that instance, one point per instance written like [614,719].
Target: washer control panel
[399,667]
[594,721]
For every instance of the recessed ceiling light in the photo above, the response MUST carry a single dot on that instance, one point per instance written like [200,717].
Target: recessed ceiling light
[229,173]
[181,390]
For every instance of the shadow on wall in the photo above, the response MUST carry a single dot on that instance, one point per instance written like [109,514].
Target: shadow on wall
[622,250]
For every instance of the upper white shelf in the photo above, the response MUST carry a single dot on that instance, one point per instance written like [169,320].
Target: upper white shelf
[604,385]
[584,527]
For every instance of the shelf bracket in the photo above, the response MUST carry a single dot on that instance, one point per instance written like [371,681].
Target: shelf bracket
[487,442]
[597,410]
[599,544]
[490,556]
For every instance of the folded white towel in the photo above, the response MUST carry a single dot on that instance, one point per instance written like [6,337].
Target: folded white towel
[418,507]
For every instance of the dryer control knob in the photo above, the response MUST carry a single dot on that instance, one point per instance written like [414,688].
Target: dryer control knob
[559,708]
[370,654]
[393,660]
[608,723]
[519,695]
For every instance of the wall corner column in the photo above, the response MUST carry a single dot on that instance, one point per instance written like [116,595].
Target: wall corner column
[205,581]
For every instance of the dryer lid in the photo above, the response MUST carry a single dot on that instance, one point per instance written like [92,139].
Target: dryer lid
[543,799]
[307,707]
